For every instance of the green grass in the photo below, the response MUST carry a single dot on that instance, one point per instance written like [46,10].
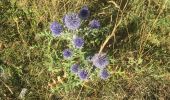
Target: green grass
[138,49]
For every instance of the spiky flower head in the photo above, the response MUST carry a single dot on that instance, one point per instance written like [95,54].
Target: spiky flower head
[94,24]
[56,28]
[104,74]
[100,60]
[72,21]
[74,68]
[78,42]
[67,53]
[84,12]
[83,74]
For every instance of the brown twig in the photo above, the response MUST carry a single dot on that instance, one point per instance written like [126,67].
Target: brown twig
[114,29]
[80,91]
[110,36]
[7,87]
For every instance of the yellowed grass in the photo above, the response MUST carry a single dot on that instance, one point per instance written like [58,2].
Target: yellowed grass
[51,9]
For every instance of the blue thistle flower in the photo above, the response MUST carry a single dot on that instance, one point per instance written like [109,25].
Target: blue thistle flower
[74,68]
[72,21]
[56,28]
[84,13]
[83,74]
[104,74]
[94,24]
[100,60]
[78,42]
[67,53]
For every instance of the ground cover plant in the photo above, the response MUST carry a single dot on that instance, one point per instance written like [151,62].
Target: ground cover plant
[84,49]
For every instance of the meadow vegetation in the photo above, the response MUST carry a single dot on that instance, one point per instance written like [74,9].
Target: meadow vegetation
[135,34]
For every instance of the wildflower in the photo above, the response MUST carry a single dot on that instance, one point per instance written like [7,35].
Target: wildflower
[94,24]
[84,13]
[67,53]
[74,68]
[83,74]
[104,74]
[78,42]
[100,60]
[72,21]
[56,28]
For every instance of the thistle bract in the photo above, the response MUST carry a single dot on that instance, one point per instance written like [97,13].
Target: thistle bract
[84,13]
[72,21]
[94,24]
[56,28]
[100,60]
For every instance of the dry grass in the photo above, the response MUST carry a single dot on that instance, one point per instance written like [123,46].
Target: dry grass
[137,42]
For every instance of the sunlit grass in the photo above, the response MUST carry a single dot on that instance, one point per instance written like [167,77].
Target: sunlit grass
[135,33]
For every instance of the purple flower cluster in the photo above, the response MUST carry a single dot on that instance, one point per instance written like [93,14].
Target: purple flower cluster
[74,68]
[84,13]
[82,74]
[72,21]
[78,42]
[56,28]
[104,74]
[67,53]
[100,60]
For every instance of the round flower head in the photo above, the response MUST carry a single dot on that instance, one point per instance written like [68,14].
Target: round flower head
[100,60]
[84,13]
[67,53]
[74,68]
[78,42]
[72,21]
[83,74]
[104,74]
[56,28]
[94,24]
